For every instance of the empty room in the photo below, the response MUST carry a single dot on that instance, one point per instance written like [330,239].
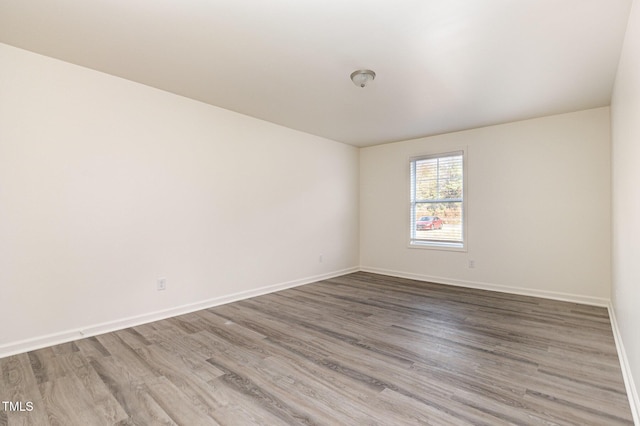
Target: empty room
[319,212]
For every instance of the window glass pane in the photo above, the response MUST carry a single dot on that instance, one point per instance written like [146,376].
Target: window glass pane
[447,228]
[439,178]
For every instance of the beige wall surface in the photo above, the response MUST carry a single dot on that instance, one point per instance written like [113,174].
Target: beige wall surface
[625,125]
[107,185]
[538,212]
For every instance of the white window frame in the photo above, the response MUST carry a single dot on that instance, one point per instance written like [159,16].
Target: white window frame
[438,245]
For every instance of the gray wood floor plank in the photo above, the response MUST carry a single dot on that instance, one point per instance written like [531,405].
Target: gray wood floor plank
[356,349]
[68,402]
[131,392]
[19,384]
[92,348]
[176,404]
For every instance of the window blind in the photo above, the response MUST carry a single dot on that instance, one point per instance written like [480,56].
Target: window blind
[437,199]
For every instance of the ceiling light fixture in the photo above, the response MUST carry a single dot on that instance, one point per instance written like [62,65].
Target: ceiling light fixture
[362,77]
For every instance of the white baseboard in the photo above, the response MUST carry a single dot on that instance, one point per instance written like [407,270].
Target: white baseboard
[632,390]
[566,297]
[39,342]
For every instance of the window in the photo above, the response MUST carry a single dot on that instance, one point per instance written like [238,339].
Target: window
[437,200]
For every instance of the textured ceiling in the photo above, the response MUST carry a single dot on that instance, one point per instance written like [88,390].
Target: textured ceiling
[441,65]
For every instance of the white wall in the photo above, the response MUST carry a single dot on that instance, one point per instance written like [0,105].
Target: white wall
[625,164]
[107,185]
[538,208]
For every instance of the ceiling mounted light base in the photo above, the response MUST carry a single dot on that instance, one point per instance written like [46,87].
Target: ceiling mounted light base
[362,77]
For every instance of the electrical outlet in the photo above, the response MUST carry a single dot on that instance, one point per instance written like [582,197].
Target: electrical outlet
[162,284]
[320,259]
[472,264]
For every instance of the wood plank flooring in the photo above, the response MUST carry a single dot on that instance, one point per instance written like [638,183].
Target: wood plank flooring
[361,349]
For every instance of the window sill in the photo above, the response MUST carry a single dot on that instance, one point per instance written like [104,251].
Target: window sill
[437,246]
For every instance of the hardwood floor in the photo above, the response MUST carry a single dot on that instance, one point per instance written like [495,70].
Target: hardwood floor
[357,349]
